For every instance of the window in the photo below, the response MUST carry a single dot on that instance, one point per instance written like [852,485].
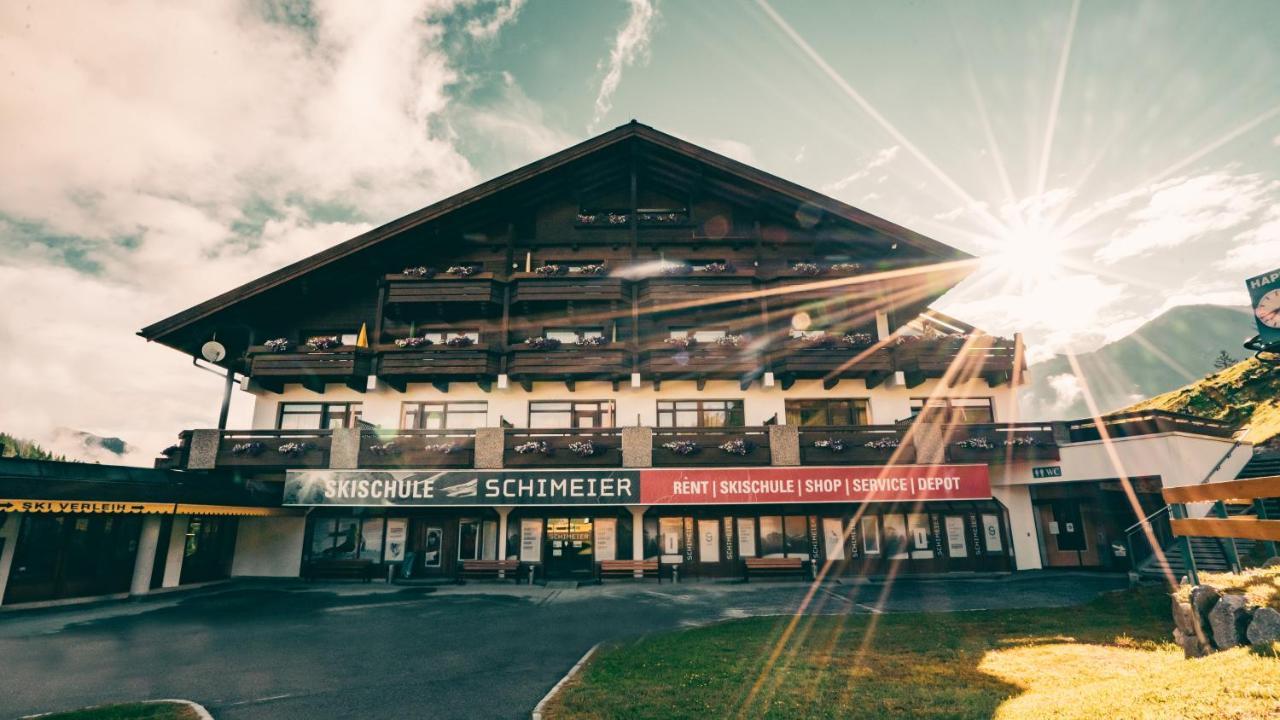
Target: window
[672,532]
[477,539]
[318,416]
[569,336]
[443,415]
[702,335]
[841,411]
[953,410]
[571,414]
[346,538]
[700,413]
[345,336]
[784,536]
[439,336]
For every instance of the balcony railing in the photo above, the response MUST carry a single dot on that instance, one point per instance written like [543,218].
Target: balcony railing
[696,287]
[1148,422]
[418,449]
[348,365]
[569,363]
[436,364]
[274,449]
[799,359]
[995,443]
[855,445]
[723,446]
[990,358]
[531,287]
[579,447]
[442,288]
[703,361]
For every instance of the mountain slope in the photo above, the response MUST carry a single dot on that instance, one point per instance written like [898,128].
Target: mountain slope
[1174,349]
[1247,393]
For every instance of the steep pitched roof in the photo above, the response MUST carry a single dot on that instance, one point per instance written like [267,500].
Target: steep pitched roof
[511,179]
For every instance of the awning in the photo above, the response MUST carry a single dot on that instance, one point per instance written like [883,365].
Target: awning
[99,507]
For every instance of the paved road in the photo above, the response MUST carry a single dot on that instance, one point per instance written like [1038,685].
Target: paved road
[288,650]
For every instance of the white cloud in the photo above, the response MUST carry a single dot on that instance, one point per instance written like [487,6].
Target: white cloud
[880,159]
[1258,250]
[630,44]
[1185,209]
[504,13]
[1067,390]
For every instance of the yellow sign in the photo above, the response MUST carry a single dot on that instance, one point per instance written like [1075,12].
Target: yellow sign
[84,506]
[241,510]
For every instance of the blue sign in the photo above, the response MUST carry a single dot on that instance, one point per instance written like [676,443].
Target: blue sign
[1264,292]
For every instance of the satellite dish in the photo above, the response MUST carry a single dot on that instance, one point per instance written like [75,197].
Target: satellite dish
[213,351]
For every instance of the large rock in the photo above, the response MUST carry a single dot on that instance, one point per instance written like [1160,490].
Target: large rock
[1190,644]
[1203,598]
[1184,617]
[1229,619]
[1264,627]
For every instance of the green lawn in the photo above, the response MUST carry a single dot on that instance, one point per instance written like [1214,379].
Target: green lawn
[1109,659]
[129,711]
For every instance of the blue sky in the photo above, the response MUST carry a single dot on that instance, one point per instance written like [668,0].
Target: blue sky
[1109,159]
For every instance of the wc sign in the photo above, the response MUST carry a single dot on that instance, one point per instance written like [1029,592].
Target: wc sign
[1264,293]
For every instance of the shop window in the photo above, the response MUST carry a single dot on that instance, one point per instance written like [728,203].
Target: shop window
[895,536]
[571,414]
[652,544]
[833,538]
[318,416]
[921,536]
[991,535]
[869,529]
[833,411]
[672,538]
[346,538]
[210,544]
[784,536]
[953,410]
[747,537]
[700,413]
[443,415]
[477,539]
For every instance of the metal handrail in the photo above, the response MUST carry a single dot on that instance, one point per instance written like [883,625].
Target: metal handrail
[1146,519]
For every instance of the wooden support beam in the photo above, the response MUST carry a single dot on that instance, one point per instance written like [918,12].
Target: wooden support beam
[744,383]
[701,383]
[314,384]
[914,378]
[359,384]
[441,385]
[875,378]
[786,381]
[1266,487]
[486,385]
[1237,527]
[397,385]
[829,382]
[569,384]
[527,384]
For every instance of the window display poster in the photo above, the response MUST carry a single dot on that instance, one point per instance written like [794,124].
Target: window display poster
[955,537]
[432,547]
[833,537]
[397,534]
[747,537]
[606,539]
[895,537]
[531,540]
[991,531]
[920,549]
[870,535]
[709,541]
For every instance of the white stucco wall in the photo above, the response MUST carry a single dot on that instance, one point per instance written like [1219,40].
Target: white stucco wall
[269,547]
[1022,525]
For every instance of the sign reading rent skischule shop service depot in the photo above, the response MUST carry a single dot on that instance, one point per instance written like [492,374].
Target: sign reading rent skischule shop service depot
[649,486]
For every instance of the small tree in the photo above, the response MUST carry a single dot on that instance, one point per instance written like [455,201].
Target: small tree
[1223,361]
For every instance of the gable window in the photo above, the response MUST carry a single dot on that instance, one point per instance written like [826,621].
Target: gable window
[443,415]
[700,413]
[953,410]
[318,416]
[828,411]
[571,414]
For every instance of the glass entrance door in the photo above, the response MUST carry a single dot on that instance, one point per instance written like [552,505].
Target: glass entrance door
[569,552]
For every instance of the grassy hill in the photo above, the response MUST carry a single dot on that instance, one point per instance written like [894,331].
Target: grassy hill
[1247,393]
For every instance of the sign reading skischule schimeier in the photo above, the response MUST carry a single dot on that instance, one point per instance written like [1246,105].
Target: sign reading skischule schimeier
[461,487]
[1264,292]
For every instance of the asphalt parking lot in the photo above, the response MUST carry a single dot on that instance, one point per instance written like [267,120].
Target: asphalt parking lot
[291,650]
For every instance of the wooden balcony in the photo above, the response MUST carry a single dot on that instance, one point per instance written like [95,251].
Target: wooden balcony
[531,287]
[569,363]
[681,447]
[438,365]
[702,362]
[797,287]
[418,449]
[442,288]
[348,365]
[855,445]
[274,449]
[1001,442]
[795,359]
[552,448]
[696,288]
[958,359]
[1150,422]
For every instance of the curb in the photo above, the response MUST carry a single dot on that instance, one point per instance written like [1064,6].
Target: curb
[542,704]
[195,707]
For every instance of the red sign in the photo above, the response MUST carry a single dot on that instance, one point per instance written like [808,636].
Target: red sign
[712,486]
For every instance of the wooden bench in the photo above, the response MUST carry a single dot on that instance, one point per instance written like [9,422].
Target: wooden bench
[489,570]
[339,569]
[774,567]
[634,569]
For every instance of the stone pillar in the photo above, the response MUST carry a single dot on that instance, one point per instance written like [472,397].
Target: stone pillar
[784,444]
[8,543]
[503,512]
[930,443]
[637,447]
[490,443]
[344,449]
[204,449]
[637,533]
[177,550]
[145,558]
